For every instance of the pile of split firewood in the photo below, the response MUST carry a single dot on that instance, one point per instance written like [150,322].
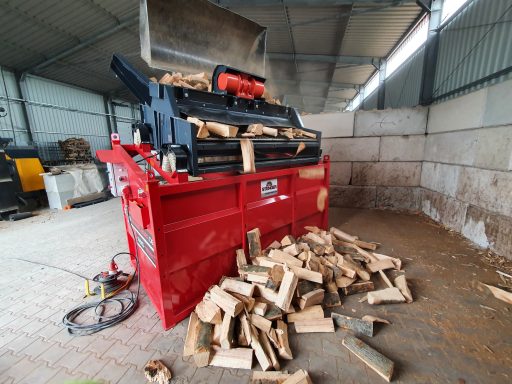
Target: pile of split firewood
[76,149]
[291,281]
[205,128]
[200,82]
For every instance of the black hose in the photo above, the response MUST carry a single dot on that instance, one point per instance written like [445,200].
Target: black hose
[127,304]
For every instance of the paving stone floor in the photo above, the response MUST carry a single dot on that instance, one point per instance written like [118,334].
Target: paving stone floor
[452,333]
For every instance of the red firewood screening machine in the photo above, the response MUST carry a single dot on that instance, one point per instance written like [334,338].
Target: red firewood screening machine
[186,223]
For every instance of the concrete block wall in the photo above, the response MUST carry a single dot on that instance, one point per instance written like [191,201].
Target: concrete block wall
[466,178]
[375,156]
[452,161]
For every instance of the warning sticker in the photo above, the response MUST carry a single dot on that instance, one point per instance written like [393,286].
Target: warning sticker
[268,187]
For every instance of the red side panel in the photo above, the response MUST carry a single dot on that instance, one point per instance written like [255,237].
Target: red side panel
[187,233]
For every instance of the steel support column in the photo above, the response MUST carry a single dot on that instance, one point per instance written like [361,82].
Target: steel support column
[431,51]
[381,90]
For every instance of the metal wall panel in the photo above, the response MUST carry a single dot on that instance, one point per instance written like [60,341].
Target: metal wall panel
[404,85]
[370,102]
[66,112]
[126,114]
[13,125]
[476,43]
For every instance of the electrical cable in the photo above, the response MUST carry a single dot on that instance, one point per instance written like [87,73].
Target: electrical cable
[127,304]
[51,266]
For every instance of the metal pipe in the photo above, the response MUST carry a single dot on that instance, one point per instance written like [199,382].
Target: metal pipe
[63,108]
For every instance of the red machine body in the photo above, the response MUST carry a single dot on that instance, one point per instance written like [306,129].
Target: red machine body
[187,233]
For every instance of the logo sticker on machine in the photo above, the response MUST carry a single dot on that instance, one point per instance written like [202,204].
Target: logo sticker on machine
[268,187]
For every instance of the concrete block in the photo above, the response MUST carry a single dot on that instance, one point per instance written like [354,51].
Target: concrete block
[491,190]
[398,198]
[452,147]
[340,173]
[352,197]
[331,124]
[443,209]
[400,121]
[460,113]
[442,178]
[393,174]
[489,230]
[352,149]
[497,107]
[402,148]
[494,148]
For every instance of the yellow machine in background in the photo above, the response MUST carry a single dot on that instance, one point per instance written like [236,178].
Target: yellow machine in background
[29,171]
[21,184]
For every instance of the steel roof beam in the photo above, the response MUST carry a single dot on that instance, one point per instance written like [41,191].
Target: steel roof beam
[355,60]
[318,3]
[86,43]
[309,83]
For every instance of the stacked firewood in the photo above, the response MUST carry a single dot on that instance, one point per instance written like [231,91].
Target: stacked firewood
[292,279]
[205,128]
[197,81]
[76,149]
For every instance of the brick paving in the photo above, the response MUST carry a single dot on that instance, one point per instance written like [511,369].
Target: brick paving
[445,336]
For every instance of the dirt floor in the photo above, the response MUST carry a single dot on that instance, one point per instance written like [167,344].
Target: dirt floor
[452,333]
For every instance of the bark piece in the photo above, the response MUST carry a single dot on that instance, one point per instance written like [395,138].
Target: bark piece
[202,349]
[360,326]
[156,372]
[365,286]
[241,260]
[253,238]
[373,359]
[332,299]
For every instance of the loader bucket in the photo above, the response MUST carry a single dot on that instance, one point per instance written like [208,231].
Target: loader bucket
[196,35]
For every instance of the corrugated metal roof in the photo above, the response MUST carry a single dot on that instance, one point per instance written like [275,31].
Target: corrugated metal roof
[33,31]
